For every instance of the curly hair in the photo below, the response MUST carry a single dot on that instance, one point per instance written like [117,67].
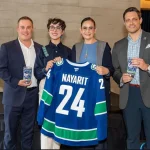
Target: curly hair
[56,21]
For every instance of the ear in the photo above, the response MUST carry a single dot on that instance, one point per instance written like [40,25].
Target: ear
[95,30]
[124,23]
[80,30]
[17,28]
[63,32]
[141,20]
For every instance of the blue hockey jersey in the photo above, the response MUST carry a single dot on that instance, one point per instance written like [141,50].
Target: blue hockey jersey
[72,110]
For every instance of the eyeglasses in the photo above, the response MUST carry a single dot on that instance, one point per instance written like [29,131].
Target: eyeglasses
[88,28]
[57,28]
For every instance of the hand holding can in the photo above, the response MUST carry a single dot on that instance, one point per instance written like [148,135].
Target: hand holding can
[27,73]
[130,68]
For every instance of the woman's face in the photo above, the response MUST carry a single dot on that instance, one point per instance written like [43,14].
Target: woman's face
[55,31]
[88,30]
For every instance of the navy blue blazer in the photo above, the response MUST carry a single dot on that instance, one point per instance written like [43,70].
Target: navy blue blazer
[11,71]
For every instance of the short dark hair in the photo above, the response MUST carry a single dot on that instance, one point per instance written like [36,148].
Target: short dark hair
[88,19]
[132,9]
[25,18]
[55,21]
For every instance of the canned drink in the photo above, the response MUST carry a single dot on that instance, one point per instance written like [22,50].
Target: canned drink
[130,68]
[27,73]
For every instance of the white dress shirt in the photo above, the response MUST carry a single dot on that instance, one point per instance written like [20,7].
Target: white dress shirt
[29,57]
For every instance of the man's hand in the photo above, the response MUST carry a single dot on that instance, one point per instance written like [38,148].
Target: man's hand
[140,63]
[126,78]
[24,83]
[102,70]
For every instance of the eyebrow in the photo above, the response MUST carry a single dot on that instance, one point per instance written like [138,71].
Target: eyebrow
[88,26]
[25,26]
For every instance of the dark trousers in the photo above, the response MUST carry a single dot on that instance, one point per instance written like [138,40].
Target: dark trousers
[134,113]
[65,147]
[25,114]
[101,146]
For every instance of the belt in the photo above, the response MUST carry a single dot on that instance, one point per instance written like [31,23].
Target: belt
[135,85]
[30,89]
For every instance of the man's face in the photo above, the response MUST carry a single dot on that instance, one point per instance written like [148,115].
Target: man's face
[88,30]
[132,22]
[55,31]
[25,30]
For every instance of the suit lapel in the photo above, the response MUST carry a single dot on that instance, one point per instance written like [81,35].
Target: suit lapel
[124,52]
[78,47]
[143,44]
[19,53]
[37,49]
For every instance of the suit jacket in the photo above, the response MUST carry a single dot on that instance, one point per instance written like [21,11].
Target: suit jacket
[119,58]
[103,59]
[11,71]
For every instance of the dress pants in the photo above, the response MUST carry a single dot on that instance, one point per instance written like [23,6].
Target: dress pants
[101,146]
[65,147]
[48,143]
[134,113]
[25,114]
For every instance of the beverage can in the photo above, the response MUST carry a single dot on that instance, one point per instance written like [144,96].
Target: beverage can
[130,68]
[27,73]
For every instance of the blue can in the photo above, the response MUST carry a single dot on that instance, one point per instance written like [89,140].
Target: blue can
[27,73]
[130,68]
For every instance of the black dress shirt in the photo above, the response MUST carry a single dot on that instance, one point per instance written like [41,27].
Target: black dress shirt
[52,51]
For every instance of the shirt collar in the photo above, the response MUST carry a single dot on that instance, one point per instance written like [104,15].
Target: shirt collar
[32,43]
[54,45]
[130,39]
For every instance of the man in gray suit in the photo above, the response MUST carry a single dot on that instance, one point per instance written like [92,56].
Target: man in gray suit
[134,78]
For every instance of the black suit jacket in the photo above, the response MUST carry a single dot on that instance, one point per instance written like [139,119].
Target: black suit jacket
[11,71]
[53,51]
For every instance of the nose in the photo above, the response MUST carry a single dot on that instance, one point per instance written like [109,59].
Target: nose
[55,29]
[25,29]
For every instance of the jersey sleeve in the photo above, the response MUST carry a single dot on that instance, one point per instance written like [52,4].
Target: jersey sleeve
[47,96]
[101,109]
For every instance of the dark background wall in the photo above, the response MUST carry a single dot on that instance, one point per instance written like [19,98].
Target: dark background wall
[146,20]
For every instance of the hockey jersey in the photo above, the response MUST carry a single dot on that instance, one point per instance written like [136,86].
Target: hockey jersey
[72,110]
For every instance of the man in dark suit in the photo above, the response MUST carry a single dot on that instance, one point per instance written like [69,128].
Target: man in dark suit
[134,80]
[20,98]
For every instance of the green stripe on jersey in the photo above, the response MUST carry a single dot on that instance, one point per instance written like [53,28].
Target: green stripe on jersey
[70,134]
[100,108]
[47,97]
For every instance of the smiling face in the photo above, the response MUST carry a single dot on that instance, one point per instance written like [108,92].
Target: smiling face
[55,31]
[132,22]
[88,30]
[25,30]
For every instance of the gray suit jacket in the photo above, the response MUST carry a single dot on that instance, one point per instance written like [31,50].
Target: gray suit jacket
[119,58]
